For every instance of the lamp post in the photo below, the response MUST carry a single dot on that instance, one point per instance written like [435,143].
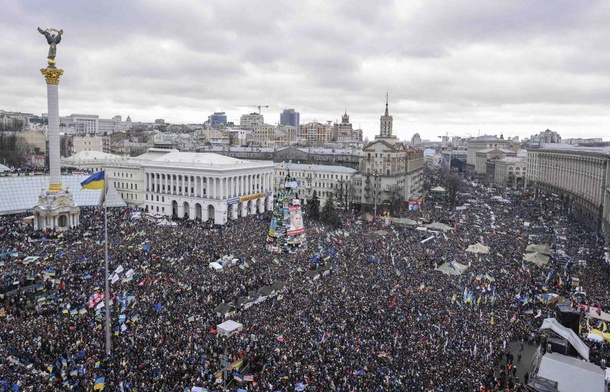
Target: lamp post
[375,194]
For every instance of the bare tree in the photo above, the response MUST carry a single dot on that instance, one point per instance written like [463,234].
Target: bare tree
[454,184]
[343,194]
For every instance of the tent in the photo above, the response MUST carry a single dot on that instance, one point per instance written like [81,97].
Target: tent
[537,258]
[215,266]
[478,248]
[438,189]
[542,248]
[439,226]
[404,221]
[367,217]
[572,374]
[229,327]
[452,268]
[566,333]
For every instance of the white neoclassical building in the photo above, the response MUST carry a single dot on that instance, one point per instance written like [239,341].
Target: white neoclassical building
[207,186]
[578,175]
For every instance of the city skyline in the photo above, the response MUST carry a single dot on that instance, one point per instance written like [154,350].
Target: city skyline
[459,69]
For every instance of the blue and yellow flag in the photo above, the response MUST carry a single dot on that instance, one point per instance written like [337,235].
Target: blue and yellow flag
[95,181]
[99,384]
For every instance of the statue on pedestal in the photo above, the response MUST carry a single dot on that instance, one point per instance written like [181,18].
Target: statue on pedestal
[53,40]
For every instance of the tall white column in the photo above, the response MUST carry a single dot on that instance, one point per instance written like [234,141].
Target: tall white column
[52,76]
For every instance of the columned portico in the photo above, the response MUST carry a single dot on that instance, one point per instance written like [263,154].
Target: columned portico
[224,187]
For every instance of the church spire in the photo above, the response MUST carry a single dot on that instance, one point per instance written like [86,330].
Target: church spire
[385,126]
[386,105]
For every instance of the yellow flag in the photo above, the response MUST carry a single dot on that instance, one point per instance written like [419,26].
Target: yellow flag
[453,298]
[491,321]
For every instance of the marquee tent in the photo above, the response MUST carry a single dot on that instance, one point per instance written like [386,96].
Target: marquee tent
[404,221]
[439,226]
[478,248]
[452,268]
[537,258]
[545,249]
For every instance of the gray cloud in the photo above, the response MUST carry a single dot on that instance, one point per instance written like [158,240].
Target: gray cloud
[450,67]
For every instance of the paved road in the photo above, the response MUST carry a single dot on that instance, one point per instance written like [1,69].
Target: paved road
[525,365]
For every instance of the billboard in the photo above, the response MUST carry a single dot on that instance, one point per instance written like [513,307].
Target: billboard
[295,221]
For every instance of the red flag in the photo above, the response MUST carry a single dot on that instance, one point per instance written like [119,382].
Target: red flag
[393,302]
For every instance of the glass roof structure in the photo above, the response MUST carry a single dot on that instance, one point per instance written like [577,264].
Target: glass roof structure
[20,194]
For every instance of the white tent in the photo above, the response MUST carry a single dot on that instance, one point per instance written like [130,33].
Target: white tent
[542,248]
[229,327]
[572,374]
[566,333]
[537,258]
[439,226]
[438,189]
[215,266]
[478,248]
[452,268]
[404,221]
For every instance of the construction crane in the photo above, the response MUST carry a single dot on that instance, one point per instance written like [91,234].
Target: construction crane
[255,106]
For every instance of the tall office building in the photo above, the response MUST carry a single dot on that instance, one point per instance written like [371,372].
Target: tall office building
[218,118]
[290,117]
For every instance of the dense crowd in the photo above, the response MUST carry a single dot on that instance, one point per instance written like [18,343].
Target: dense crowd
[383,319]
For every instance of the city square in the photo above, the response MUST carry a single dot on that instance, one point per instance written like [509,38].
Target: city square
[187,252]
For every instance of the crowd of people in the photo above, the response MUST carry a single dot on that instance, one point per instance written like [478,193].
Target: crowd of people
[381,318]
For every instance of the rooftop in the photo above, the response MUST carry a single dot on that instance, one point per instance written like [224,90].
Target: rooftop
[20,194]
[317,168]
[571,147]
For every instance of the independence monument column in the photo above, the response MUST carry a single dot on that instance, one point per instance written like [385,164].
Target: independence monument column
[56,208]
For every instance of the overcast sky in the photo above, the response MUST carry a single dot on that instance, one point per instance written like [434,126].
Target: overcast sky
[450,67]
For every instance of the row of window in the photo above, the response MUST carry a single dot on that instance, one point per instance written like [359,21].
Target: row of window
[125,185]
[152,198]
[303,175]
[122,174]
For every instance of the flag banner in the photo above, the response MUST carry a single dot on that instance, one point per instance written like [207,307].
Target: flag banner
[95,181]
[99,384]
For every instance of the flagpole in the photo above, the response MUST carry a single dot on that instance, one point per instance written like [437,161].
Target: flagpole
[107,294]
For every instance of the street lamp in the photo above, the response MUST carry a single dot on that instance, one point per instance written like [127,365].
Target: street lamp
[375,193]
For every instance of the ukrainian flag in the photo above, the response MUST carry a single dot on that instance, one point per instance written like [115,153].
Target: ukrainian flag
[99,384]
[95,181]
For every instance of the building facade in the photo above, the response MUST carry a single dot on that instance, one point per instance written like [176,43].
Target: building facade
[87,143]
[218,119]
[510,172]
[292,118]
[323,179]
[391,173]
[207,186]
[482,156]
[248,121]
[483,143]
[577,175]
[315,133]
